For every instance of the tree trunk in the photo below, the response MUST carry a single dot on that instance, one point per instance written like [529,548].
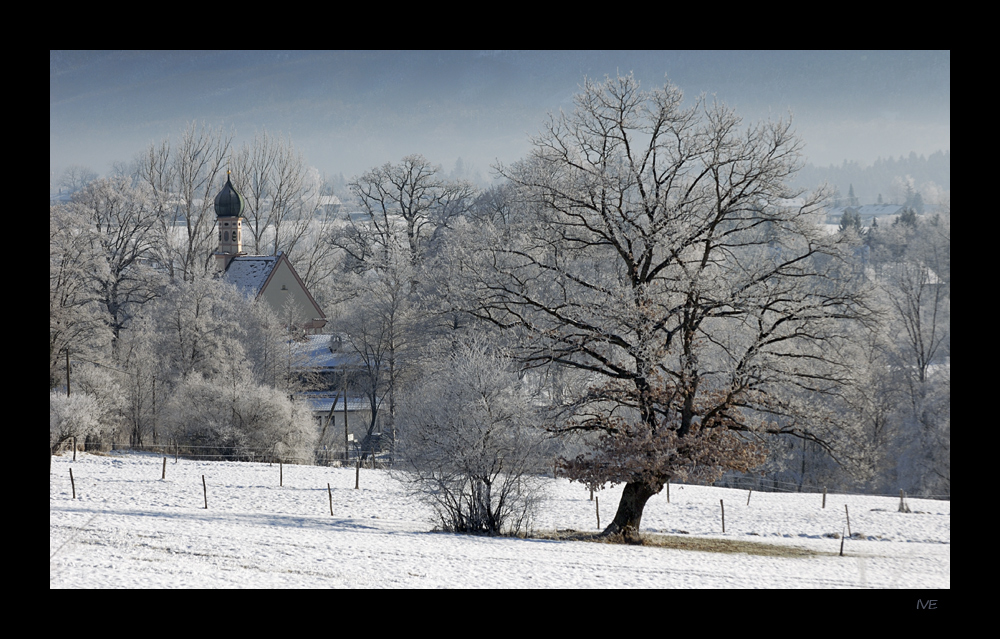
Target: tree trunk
[629,515]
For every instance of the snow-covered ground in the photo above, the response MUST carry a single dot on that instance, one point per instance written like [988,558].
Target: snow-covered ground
[128,528]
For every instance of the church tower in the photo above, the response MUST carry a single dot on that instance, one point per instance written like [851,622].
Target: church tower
[229,206]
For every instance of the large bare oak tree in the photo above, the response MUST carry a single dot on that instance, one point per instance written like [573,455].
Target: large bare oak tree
[659,250]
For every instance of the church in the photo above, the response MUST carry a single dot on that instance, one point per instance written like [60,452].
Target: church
[270,278]
[342,415]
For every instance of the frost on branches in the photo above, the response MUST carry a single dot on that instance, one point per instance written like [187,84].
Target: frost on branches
[661,254]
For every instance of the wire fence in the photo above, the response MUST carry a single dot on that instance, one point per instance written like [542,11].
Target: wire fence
[765,484]
[320,456]
[386,459]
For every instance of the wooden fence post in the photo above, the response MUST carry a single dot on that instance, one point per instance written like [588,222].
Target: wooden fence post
[668,491]
[357,473]
[164,475]
[204,487]
[330,493]
[748,496]
[72,483]
[824,496]
[597,507]
[848,520]
[281,474]
[723,507]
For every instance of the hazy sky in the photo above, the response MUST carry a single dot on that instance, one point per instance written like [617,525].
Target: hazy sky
[349,111]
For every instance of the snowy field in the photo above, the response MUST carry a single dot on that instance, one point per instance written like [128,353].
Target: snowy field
[128,528]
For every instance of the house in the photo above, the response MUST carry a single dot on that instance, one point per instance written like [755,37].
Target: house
[270,278]
[334,371]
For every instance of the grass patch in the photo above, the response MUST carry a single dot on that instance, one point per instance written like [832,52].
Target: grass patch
[678,542]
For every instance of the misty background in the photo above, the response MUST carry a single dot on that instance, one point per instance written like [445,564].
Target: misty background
[348,111]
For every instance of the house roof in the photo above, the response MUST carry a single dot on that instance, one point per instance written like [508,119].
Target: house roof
[314,353]
[323,402]
[868,210]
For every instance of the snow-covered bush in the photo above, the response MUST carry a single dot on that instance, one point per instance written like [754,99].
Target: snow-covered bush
[75,416]
[240,420]
[471,443]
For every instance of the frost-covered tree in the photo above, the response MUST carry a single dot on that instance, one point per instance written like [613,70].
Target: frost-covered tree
[665,257]
[75,177]
[77,323]
[471,442]
[280,190]
[381,328]
[912,265]
[406,206]
[123,222]
[74,416]
[184,177]
[197,323]
[239,419]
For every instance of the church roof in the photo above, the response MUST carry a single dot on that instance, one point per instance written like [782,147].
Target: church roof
[229,202]
[249,273]
[253,275]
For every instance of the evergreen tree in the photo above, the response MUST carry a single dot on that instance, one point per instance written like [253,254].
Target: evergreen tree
[852,200]
[851,219]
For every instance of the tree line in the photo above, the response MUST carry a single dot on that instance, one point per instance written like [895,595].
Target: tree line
[644,297]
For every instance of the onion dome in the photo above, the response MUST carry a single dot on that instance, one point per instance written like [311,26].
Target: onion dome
[229,203]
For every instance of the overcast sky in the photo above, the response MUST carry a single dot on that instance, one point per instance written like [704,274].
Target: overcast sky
[349,111]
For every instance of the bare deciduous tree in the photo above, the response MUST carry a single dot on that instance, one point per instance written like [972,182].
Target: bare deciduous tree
[185,177]
[406,204]
[666,258]
[124,224]
[281,193]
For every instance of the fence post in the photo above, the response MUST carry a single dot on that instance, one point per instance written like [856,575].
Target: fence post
[281,474]
[824,496]
[330,493]
[357,473]
[204,487]
[164,475]
[750,492]
[72,483]
[723,507]
[597,507]
[848,520]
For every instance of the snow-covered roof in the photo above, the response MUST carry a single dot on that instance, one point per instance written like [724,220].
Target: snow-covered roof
[315,352]
[249,273]
[868,210]
[321,402]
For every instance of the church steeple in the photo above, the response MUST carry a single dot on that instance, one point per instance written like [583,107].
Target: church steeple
[229,205]
[229,202]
